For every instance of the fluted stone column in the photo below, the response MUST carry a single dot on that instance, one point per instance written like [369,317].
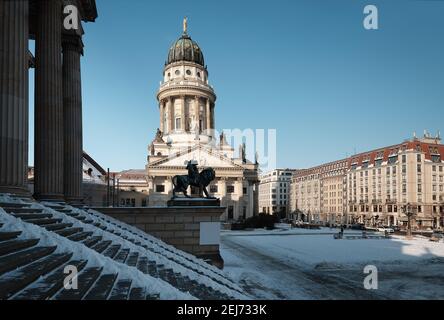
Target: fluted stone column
[182,113]
[48,102]
[162,118]
[212,117]
[208,113]
[171,115]
[72,119]
[197,113]
[14,31]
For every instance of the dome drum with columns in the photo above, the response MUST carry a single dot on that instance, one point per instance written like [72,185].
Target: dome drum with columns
[186,100]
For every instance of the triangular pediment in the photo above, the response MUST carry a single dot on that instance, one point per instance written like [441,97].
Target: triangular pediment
[205,158]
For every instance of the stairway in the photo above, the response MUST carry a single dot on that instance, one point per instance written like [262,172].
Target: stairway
[32,270]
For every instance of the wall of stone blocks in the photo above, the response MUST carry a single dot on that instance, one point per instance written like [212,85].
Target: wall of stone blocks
[177,226]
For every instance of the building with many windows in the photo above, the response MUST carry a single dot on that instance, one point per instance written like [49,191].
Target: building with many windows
[375,187]
[274,191]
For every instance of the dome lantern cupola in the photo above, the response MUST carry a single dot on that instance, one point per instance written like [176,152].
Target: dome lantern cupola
[185,49]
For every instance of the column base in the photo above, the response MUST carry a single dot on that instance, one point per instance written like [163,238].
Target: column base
[19,191]
[74,201]
[49,197]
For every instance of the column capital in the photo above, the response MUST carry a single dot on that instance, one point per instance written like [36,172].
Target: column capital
[72,43]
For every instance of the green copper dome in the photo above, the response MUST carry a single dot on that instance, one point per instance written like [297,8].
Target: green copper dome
[185,49]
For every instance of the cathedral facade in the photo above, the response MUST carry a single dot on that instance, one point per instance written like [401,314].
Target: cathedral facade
[187,132]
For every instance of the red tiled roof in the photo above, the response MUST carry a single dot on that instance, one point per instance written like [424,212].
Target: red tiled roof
[358,159]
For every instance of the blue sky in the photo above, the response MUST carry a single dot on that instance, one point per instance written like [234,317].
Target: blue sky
[307,68]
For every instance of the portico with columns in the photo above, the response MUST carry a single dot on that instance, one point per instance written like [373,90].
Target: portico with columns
[58,100]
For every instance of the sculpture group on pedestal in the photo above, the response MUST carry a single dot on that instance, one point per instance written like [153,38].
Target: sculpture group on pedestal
[194,178]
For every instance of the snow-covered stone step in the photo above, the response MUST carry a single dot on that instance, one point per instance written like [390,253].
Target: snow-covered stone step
[101,246]
[9,235]
[44,221]
[102,288]
[47,286]
[111,251]
[13,205]
[122,255]
[68,231]
[21,210]
[121,290]
[57,226]
[85,281]
[31,216]
[91,241]
[12,282]
[17,259]
[80,236]
[7,247]
[132,259]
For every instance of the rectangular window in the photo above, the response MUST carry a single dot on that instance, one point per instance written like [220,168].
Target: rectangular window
[230,189]
[178,123]
[160,188]
[230,212]
[213,188]
[418,158]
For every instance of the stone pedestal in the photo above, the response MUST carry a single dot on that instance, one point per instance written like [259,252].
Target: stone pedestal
[14,34]
[191,228]
[48,180]
[193,202]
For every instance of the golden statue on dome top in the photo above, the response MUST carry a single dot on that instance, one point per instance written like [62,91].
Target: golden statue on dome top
[185,24]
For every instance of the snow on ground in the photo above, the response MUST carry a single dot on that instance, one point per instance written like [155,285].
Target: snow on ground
[310,264]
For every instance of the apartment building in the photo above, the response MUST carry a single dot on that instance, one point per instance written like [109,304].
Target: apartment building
[274,191]
[376,187]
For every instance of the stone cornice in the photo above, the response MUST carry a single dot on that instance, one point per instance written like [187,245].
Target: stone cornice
[187,90]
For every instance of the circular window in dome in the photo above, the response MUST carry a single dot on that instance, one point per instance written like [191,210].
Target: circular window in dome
[189,72]
[198,74]
[177,72]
